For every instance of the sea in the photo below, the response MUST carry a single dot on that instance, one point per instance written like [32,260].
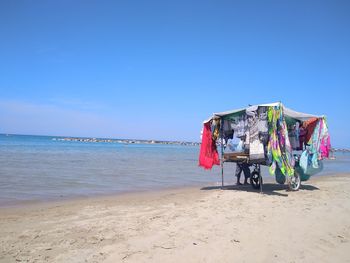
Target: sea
[44,168]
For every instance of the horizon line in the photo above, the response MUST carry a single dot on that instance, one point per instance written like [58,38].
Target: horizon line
[92,137]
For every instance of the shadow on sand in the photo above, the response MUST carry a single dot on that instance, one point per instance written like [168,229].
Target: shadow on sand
[268,188]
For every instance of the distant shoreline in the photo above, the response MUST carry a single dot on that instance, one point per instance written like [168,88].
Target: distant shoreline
[126,141]
[130,141]
[108,140]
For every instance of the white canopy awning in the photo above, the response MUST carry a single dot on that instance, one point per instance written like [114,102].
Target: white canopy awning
[298,115]
[287,112]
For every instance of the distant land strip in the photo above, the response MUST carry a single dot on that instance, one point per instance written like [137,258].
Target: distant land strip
[132,141]
[125,141]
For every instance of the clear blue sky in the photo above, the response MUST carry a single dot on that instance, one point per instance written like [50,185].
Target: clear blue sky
[157,69]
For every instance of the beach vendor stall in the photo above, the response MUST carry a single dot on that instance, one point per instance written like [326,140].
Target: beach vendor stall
[292,144]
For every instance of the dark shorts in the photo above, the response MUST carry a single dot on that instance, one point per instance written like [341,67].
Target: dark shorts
[242,167]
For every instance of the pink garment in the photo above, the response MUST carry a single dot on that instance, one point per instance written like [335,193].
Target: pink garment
[325,147]
[208,155]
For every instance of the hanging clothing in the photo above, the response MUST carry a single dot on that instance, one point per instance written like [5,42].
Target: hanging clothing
[253,123]
[302,138]
[279,150]
[262,120]
[263,128]
[227,129]
[319,142]
[309,127]
[215,129]
[239,125]
[256,148]
[294,141]
[294,136]
[325,147]
[318,148]
[208,156]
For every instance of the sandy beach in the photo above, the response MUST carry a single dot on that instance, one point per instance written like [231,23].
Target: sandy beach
[187,225]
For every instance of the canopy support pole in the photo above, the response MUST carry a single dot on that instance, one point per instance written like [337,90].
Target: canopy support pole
[222,151]
[260,181]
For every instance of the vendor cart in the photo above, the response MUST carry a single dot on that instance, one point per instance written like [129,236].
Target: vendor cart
[292,144]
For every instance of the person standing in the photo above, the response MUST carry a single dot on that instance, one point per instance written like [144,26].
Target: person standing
[246,170]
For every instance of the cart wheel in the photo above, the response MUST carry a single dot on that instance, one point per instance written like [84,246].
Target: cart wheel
[255,180]
[294,182]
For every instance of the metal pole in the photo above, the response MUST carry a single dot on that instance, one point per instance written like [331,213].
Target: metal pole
[260,180]
[222,152]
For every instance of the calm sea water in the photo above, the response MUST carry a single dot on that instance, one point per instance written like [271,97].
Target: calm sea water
[38,168]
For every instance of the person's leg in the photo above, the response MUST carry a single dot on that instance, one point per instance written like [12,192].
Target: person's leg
[246,172]
[238,172]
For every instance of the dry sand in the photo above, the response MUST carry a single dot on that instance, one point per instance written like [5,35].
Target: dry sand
[187,225]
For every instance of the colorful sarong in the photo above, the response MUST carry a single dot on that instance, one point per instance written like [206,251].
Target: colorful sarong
[279,150]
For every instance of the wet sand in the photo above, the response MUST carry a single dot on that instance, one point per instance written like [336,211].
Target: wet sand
[237,224]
